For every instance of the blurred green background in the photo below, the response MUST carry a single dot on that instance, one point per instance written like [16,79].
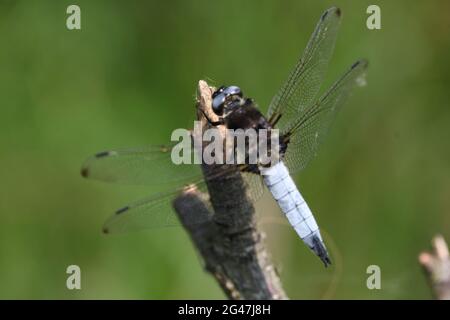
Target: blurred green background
[379,187]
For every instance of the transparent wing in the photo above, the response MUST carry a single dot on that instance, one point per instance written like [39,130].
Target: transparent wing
[153,165]
[157,211]
[309,130]
[148,165]
[303,84]
[153,212]
[254,184]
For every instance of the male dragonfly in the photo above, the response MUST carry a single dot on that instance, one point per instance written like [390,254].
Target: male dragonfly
[302,117]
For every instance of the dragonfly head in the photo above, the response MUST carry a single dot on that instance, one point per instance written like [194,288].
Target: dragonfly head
[226,99]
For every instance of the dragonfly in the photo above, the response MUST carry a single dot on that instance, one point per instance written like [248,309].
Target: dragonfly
[302,115]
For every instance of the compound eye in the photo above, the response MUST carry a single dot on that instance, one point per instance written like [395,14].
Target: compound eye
[218,91]
[218,103]
[233,90]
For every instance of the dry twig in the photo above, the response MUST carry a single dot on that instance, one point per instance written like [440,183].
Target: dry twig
[437,268]
[229,242]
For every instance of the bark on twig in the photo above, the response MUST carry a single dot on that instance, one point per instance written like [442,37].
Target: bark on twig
[437,268]
[231,245]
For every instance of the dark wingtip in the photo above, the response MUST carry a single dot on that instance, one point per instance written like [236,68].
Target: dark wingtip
[334,10]
[84,172]
[122,210]
[355,64]
[363,62]
[102,154]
